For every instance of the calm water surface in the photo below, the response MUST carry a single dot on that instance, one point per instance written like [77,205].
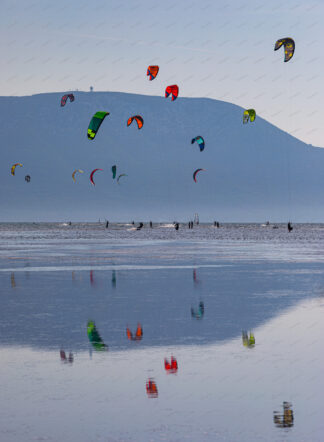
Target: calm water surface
[193,292]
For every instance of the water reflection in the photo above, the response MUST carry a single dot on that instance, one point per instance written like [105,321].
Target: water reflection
[151,388]
[138,334]
[248,340]
[198,313]
[285,419]
[95,338]
[12,280]
[172,366]
[66,359]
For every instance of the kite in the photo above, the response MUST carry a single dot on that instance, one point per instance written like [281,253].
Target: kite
[123,174]
[200,142]
[73,174]
[198,314]
[95,123]
[289,46]
[114,169]
[27,178]
[13,167]
[65,97]
[174,90]
[195,174]
[249,114]
[91,176]
[152,72]
[139,120]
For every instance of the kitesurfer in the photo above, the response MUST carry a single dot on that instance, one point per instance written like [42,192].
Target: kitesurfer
[107,224]
[140,226]
[151,224]
[289,226]
[176,226]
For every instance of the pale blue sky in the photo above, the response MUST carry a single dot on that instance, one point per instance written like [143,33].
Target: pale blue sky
[216,49]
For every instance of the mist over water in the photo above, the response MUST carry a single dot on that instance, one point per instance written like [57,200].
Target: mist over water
[89,315]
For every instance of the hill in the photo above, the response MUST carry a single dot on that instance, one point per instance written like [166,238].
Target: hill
[254,172]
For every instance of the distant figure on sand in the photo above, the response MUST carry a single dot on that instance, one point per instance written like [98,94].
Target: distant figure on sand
[151,224]
[290,227]
[107,224]
[176,226]
[140,226]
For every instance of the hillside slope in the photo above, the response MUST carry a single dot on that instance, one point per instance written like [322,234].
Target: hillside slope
[254,172]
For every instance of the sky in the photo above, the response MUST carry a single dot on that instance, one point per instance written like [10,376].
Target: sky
[220,50]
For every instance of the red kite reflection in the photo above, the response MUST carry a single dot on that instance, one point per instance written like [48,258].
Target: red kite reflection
[138,335]
[171,367]
[151,388]
[66,359]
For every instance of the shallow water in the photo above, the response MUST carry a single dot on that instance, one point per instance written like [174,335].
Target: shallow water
[55,278]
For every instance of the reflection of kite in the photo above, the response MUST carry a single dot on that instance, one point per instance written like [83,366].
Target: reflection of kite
[249,114]
[123,174]
[13,167]
[65,97]
[152,72]
[13,282]
[114,169]
[91,176]
[286,419]
[95,123]
[171,367]
[139,120]
[195,174]
[95,338]
[151,388]
[27,178]
[138,335]
[248,341]
[173,90]
[289,46]
[198,314]
[64,358]
[75,171]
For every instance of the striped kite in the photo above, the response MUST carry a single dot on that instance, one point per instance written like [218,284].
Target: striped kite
[195,174]
[74,172]
[139,120]
[13,167]
[200,142]
[65,97]
[95,123]
[289,46]
[152,72]
[249,114]
[174,90]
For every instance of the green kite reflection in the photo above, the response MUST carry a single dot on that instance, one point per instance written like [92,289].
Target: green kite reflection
[95,338]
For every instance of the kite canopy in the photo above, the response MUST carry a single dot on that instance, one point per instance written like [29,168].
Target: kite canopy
[91,175]
[139,120]
[13,167]
[75,171]
[152,72]
[65,97]
[289,46]
[27,178]
[200,141]
[114,169]
[174,90]
[123,174]
[195,174]
[95,123]
[249,114]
